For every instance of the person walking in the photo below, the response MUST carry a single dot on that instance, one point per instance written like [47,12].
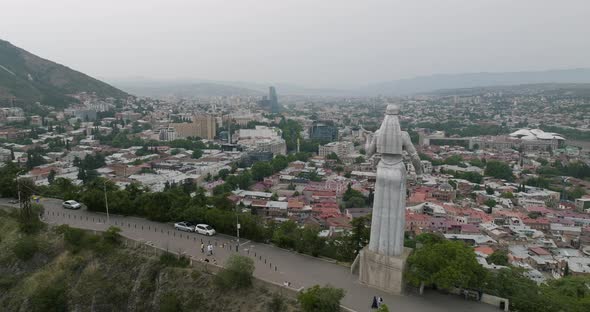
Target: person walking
[210,249]
[375,304]
[380,302]
[202,248]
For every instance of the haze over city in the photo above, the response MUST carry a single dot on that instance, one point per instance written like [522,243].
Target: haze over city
[331,43]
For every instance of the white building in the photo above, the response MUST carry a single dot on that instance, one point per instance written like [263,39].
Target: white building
[262,139]
[167,134]
[342,149]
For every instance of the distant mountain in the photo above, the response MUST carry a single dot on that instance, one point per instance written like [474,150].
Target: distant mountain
[198,87]
[427,84]
[158,89]
[28,78]
[547,89]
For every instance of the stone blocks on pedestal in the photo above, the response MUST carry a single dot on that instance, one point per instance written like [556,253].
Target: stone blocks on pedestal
[381,271]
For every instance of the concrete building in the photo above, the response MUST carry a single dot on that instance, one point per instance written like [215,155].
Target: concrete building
[323,132]
[262,139]
[203,126]
[167,134]
[583,203]
[342,149]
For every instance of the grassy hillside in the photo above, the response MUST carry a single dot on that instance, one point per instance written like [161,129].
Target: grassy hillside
[70,270]
[30,79]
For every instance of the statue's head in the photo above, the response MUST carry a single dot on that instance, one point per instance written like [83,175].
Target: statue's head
[392,109]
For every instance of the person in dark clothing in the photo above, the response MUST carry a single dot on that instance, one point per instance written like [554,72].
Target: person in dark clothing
[375,304]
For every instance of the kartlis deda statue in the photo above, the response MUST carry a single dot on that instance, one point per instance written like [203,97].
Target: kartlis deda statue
[388,221]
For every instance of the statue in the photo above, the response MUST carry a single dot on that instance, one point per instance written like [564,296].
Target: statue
[388,222]
[382,262]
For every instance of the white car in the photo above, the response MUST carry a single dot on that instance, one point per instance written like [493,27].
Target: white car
[204,229]
[184,226]
[71,204]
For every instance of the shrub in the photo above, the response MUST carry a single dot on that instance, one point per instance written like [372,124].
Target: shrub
[169,302]
[25,248]
[112,236]
[171,260]
[277,303]
[237,273]
[50,297]
[321,299]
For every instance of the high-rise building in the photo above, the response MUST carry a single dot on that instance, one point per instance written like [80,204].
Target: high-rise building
[271,102]
[323,132]
[203,126]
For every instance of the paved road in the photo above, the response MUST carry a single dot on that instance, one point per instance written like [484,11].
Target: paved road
[272,263]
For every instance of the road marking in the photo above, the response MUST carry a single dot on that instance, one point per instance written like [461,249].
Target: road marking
[244,243]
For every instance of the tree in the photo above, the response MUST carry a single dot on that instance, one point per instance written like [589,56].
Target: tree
[321,299]
[490,203]
[359,160]
[443,263]
[260,170]
[51,176]
[499,257]
[237,273]
[499,170]
[223,173]
[489,190]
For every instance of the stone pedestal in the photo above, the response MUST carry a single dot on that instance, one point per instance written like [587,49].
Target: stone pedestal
[382,272]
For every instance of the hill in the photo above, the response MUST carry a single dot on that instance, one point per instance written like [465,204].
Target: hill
[204,88]
[427,84]
[158,89]
[66,269]
[28,79]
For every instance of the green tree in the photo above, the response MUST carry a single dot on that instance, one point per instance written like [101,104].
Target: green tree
[498,257]
[260,170]
[51,176]
[499,170]
[321,299]
[446,264]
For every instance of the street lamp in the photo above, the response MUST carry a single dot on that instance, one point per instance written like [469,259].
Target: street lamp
[106,202]
[237,225]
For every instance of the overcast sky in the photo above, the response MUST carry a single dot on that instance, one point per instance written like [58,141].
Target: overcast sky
[321,43]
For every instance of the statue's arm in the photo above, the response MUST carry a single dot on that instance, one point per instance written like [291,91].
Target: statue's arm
[371,144]
[411,150]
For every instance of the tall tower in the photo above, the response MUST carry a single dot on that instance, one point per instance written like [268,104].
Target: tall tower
[273,100]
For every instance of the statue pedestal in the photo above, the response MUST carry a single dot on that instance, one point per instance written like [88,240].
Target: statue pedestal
[383,272]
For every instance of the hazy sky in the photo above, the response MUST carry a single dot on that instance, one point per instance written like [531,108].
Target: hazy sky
[327,43]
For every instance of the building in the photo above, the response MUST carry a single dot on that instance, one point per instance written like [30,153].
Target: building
[323,132]
[5,155]
[342,149]
[167,134]
[129,116]
[262,139]
[271,102]
[203,126]
[583,203]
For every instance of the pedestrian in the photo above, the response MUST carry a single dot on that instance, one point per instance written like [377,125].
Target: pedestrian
[210,249]
[202,248]
[380,301]
[375,304]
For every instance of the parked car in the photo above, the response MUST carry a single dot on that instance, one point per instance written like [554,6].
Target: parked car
[71,204]
[204,229]
[184,226]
